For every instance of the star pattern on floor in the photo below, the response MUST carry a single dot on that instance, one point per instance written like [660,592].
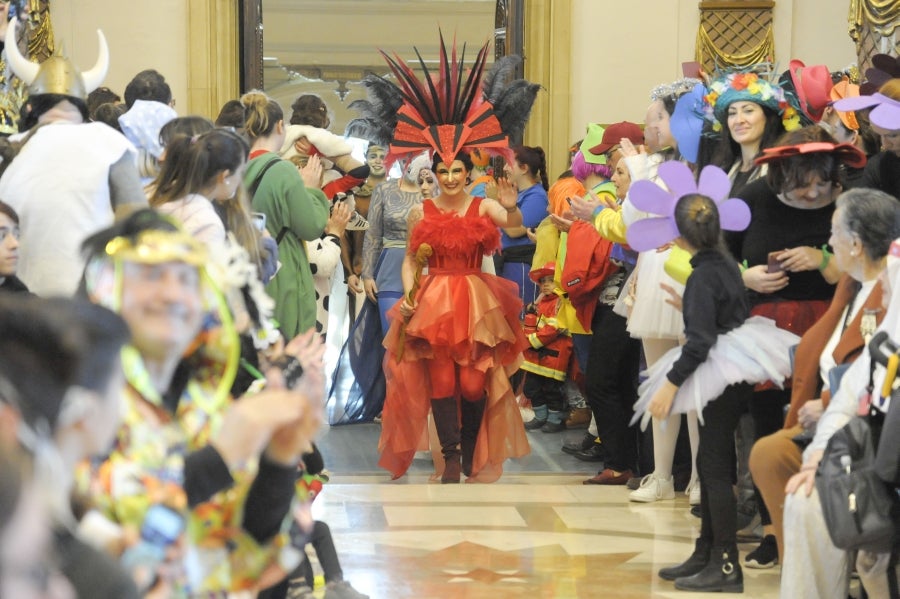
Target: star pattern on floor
[469,569]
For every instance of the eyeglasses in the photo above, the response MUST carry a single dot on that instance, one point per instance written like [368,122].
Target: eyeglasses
[14,231]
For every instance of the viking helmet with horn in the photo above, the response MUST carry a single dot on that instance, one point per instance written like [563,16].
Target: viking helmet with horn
[57,74]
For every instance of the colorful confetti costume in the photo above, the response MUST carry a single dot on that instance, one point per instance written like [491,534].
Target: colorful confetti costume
[151,465]
[464,314]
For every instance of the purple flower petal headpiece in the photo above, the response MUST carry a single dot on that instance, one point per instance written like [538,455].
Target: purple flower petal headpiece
[885,114]
[653,232]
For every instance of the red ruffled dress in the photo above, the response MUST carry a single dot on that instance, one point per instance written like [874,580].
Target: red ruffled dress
[469,316]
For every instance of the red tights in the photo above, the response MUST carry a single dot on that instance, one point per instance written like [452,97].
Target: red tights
[446,375]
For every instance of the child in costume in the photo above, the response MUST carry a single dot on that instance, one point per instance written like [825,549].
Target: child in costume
[547,360]
[725,353]
[300,583]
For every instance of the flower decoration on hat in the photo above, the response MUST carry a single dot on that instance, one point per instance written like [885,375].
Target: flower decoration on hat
[444,111]
[885,110]
[846,153]
[657,231]
[747,86]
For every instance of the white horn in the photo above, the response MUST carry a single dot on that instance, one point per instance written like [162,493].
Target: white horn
[25,69]
[94,77]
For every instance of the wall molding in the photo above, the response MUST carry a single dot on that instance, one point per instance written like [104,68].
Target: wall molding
[213,55]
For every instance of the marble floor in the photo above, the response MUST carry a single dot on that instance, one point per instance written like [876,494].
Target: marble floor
[538,532]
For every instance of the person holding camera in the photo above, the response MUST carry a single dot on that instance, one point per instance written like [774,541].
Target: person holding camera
[228,469]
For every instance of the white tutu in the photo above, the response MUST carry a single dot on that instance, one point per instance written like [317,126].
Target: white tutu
[651,317]
[755,352]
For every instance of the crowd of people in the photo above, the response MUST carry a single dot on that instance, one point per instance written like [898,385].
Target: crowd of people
[167,283]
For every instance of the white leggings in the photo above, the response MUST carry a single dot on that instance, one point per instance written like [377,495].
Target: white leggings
[664,439]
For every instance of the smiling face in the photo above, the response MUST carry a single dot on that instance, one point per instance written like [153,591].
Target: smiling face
[746,123]
[452,179]
[9,246]
[162,305]
[375,160]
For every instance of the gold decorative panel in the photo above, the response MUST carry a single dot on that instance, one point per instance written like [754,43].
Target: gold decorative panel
[874,27]
[734,33]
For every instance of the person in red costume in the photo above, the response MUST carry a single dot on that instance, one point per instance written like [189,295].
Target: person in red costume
[455,338]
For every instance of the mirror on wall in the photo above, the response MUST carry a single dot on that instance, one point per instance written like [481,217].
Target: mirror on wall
[326,47]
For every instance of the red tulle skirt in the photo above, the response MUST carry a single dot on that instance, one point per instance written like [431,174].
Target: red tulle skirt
[471,318]
[794,316]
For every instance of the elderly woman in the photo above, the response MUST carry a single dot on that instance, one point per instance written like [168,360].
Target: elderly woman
[813,566]
[862,228]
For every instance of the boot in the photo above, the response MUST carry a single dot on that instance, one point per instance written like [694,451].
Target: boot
[539,420]
[698,560]
[472,412]
[446,421]
[721,575]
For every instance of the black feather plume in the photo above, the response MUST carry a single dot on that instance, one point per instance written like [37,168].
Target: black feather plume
[378,113]
[513,107]
[499,75]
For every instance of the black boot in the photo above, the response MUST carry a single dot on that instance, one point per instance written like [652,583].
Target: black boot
[721,575]
[471,413]
[698,560]
[446,421]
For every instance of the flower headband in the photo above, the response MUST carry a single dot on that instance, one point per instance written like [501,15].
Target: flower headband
[654,232]
[846,153]
[885,114]
[748,87]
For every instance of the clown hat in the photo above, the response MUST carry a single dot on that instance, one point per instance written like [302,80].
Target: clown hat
[546,270]
[595,135]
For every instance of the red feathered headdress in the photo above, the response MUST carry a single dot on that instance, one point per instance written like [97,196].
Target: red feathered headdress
[447,113]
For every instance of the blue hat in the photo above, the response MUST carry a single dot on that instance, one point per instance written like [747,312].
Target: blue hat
[687,122]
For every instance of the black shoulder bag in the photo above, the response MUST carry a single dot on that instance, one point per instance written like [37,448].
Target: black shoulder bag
[860,508]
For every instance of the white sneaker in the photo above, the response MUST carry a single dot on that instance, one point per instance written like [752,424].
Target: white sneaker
[357,222]
[653,489]
[693,491]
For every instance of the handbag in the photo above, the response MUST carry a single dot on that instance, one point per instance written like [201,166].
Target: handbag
[860,508]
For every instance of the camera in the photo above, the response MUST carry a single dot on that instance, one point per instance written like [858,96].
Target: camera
[161,527]
[291,369]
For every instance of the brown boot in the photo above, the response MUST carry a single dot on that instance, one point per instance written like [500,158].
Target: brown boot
[578,418]
[471,413]
[446,421]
